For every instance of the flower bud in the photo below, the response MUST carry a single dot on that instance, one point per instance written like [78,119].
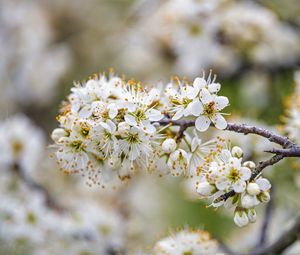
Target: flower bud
[169,145]
[251,213]
[123,128]
[237,152]
[58,133]
[253,189]
[248,201]
[249,164]
[264,197]
[205,189]
[240,218]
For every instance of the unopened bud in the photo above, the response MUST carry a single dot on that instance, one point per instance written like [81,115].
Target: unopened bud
[169,145]
[249,164]
[264,197]
[58,133]
[240,218]
[253,189]
[237,152]
[205,189]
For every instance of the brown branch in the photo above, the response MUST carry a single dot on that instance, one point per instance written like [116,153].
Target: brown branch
[285,142]
[291,152]
[283,242]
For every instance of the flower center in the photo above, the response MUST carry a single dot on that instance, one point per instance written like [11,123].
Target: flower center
[234,174]
[132,138]
[209,109]
[140,115]
[77,145]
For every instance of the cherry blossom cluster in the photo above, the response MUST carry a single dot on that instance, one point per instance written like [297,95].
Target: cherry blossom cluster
[225,171]
[111,128]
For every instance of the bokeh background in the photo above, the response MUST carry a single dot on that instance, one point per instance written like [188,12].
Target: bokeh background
[252,46]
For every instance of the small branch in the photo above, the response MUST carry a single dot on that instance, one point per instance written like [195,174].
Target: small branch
[238,128]
[283,242]
[291,152]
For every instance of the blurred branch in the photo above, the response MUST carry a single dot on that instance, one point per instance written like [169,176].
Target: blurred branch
[49,200]
[266,221]
[283,242]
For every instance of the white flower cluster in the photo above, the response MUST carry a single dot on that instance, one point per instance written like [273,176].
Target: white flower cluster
[16,150]
[192,242]
[200,100]
[224,28]
[110,127]
[225,171]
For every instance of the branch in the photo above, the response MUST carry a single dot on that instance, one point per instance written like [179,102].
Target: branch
[290,149]
[283,242]
[291,152]
[238,128]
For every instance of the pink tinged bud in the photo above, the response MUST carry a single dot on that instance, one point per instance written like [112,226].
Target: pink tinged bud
[205,189]
[237,152]
[253,189]
[240,218]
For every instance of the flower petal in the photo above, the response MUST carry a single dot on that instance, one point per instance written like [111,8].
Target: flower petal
[263,184]
[196,107]
[154,115]
[130,120]
[219,121]
[239,186]
[205,96]
[245,173]
[199,83]
[221,102]
[202,123]
[214,87]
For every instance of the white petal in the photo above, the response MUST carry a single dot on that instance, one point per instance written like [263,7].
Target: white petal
[130,120]
[199,83]
[221,102]
[223,185]
[196,107]
[191,92]
[202,123]
[220,121]
[239,186]
[214,87]
[178,114]
[85,112]
[148,127]
[154,115]
[263,184]
[245,173]
[205,96]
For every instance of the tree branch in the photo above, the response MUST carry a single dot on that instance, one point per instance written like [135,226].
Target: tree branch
[290,149]
[283,242]
[238,128]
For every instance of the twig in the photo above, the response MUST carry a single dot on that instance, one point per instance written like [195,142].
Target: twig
[290,149]
[283,242]
[285,142]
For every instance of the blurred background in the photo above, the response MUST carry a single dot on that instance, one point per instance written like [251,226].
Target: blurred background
[252,46]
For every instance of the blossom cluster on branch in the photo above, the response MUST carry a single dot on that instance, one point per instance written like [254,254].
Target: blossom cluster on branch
[111,128]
